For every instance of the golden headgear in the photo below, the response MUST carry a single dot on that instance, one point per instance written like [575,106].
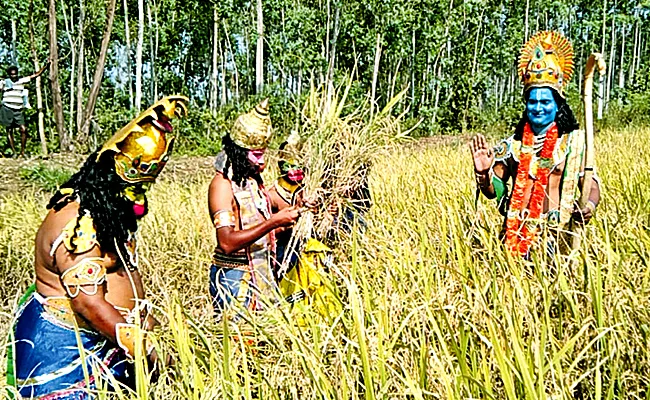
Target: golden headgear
[252,130]
[141,147]
[292,152]
[546,60]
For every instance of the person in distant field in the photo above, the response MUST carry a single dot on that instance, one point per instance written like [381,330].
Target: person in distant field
[14,100]
[544,159]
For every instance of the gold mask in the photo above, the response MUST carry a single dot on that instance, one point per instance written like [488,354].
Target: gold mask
[546,60]
[141,147]
[252,130]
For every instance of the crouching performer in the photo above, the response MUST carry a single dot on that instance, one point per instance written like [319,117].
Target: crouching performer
[544,158]
[80,324]
[302,265]
[241,210]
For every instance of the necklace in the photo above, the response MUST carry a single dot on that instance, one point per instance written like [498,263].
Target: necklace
[522,222]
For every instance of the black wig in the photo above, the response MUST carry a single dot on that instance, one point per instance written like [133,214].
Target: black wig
[98,189]
[242,168]
[565,119]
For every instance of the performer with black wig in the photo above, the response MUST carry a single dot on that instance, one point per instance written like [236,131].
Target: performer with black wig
[544,158]
[241,210]
[85,318]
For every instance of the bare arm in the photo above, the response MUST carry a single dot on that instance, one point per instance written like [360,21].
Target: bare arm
[220,198]
[40,71]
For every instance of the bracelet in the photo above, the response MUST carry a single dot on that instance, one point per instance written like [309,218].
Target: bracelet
[483,180]
[591,205]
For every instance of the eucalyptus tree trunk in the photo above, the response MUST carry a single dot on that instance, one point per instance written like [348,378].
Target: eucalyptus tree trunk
[601,85]
[224,90]
[152,55]
[127,38]
[621,70]
[99,73]
[635,51]
[412,71]
[332,53]
[57,102]
[69,27]
[259,55]
[639,52]
[375,72]
[214,86]
[232,58]
[526,20]
[138,57]
[39,92]
[612,56]
[80,64]
[14,55]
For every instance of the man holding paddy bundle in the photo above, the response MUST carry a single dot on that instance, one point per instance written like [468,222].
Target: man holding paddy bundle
[85,319]
[241,211]
[545,158]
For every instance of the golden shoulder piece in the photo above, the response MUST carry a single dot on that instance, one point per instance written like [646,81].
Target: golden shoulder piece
[546,60]
[85,238]
[252,130]
[141,147]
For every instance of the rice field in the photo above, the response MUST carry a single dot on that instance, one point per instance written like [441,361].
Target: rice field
[432,307]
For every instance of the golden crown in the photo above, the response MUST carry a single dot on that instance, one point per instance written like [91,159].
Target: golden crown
[142,147]
[546,60]
[292,151]
[253,130]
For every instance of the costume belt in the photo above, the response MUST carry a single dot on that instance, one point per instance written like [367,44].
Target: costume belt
[232,261]
[60,309]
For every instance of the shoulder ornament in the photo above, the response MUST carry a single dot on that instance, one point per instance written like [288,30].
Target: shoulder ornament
[79,239]
[507,148]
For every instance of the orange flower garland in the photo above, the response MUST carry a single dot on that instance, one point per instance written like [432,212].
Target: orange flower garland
[521,226]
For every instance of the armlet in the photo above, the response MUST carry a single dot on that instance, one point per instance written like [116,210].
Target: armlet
[127,336]
[85,276]
[223,218]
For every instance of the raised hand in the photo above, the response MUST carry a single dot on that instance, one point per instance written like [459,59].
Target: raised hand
[482,154]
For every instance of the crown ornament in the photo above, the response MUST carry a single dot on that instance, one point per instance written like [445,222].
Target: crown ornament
[253,130]
[142,147]
[291,151]
[546,60]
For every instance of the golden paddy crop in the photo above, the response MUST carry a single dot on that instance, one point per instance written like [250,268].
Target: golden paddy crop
[432,307]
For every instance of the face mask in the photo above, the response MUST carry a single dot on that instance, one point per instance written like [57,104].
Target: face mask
[136,195]
[256,158]
[296,175]
[541,108]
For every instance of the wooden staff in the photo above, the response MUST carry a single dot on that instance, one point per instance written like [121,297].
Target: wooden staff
[595,60]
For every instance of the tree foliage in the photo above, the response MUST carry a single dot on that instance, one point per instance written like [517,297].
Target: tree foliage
[456,58]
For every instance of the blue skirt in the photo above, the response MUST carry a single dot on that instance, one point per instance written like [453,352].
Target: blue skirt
[49,364]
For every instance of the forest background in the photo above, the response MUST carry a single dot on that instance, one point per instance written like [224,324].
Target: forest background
[456,60]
